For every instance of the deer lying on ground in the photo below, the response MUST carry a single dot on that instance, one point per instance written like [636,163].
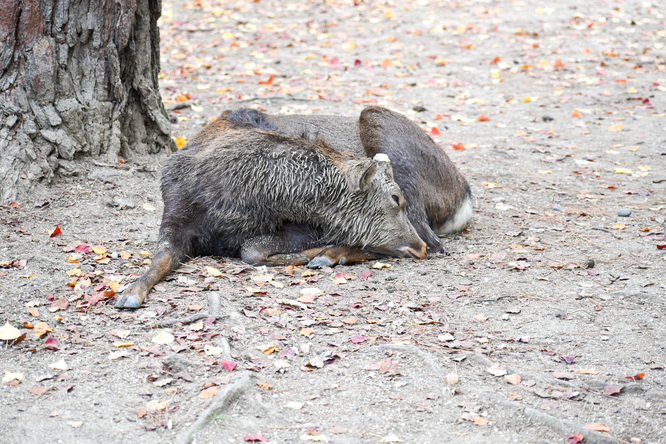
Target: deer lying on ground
[438,198]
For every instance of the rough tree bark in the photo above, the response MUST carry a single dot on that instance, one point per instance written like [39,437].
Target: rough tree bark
[77,77]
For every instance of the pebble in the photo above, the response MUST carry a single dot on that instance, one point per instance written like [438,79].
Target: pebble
[624,212]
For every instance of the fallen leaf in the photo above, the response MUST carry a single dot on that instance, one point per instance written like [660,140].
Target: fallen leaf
[597,427]
[379,265]
[180,142]
[620,170]
[294,405]
[59,304]
[75,424]
[228,365]
[306,331]
[41,328]
[8,332]
[618,226]
[458,146]
[12,376]
[391,438]
[613,389]
[434,131]
[99,249]
[39,390]
[636,376]
[59,365]
[358,339]
[616,128]
[255,438]
[496,370]
[575,113]
[214,272]
[162,337]
[482,118]
[148,207]
[208,393]
[56,231]
[514,379]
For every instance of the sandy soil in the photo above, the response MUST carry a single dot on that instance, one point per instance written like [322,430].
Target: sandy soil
[535,326]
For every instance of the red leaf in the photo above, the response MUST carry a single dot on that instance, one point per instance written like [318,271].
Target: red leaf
[613,389]
[575,439]
[482,118]
[358,339]
[56,231]
[82,248]
[434,131]
[255,438]
[52,344]
[227,364]
[365,274]
[458,146]
[495,60]
[636,376]
[661,247]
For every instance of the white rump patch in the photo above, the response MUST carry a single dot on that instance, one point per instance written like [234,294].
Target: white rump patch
[381,157]
[459,220]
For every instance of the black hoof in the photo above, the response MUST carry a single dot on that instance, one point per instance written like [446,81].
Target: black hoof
[128,301]
[321,261]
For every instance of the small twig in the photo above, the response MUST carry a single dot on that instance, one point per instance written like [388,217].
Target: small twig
[235,388]
[606,230]
[124,167]
[292,302]
[172,322]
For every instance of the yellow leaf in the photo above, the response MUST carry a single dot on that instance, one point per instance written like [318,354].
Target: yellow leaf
[119,344]
[75,272]
[616,128]
[162,337]
[8,332]
[214,272]
[180,141]
[379,265]
[349,46]
[144,253]
[620,170]
[72,259]
[59,365]
[41,328]
[619,226]
[307,331]
[10,376]
[632,90]
[148,207]
[99,249]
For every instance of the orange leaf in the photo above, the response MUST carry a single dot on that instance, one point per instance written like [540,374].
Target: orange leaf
[434,131]
[183,97]
[180,142]
[306,331]
[208,393]
[616,128]
[482,118]
[558,64]
[495,60]
[386,63]
[438,117]
[597,427]
[575,113]
[619,226]
[458,146]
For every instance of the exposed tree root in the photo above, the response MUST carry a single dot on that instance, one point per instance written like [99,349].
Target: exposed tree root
[235,388]
[172,322]
[563,426]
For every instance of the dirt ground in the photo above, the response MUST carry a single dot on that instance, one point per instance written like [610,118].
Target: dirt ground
[543,322]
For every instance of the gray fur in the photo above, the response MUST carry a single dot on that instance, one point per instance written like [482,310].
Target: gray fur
[227,188]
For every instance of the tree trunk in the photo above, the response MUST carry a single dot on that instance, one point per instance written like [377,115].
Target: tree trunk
[77,77]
